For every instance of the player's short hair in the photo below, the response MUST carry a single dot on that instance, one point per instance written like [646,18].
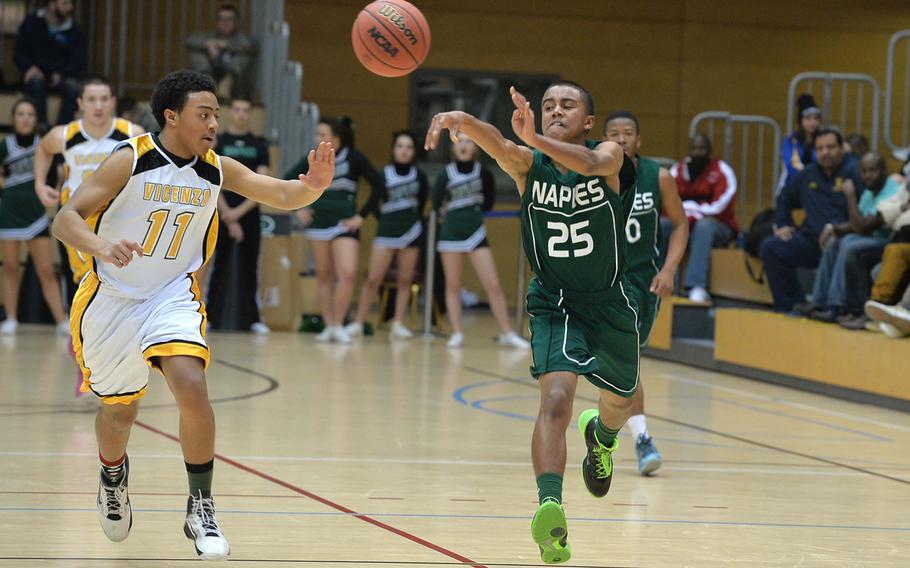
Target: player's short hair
[227,7]
[95,80]
[617,114]
[173,90]
[827,130]
[585,95]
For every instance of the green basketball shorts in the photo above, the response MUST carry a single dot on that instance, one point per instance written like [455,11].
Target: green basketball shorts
[648,303]
[590,334]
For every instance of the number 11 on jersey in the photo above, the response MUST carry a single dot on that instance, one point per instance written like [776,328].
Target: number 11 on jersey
[157,220]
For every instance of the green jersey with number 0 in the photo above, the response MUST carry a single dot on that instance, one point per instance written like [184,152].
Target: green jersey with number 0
[643,227]
[573,226]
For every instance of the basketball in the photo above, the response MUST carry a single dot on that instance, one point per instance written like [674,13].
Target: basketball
[391,38]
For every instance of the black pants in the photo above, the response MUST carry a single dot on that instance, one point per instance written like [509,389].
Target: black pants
[235,277]
[36,89]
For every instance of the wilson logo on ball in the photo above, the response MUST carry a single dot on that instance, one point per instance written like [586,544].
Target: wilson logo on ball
[383,42]
[391,14]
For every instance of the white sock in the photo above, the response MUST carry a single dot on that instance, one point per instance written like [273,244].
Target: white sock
[638,425]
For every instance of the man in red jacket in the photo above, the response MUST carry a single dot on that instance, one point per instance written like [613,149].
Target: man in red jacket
[707,187]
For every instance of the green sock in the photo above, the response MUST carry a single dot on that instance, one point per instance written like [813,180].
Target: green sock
[200,478]
[603,434]
[549,487]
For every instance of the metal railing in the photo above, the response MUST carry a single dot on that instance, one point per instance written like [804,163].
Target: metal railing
[757,163]
[900,147]
[849,111]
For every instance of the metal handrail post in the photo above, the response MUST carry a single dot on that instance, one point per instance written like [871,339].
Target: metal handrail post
[429,276]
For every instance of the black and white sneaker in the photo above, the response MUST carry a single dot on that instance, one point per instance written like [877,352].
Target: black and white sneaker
[114,508]
[202,528]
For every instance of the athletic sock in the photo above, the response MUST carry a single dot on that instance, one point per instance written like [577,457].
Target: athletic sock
[603,434]
[639,426]
[200,478]
[549,487]
[112,470]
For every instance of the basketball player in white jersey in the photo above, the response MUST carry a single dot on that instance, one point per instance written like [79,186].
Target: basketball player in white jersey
[84,143]
[139,305]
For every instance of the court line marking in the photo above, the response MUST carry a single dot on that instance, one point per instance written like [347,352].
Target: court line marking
[294,561]
[794,469]
[457,516]
[327,502]
[711,431]
[793,403]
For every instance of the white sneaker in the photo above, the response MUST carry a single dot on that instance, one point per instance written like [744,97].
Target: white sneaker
[341,336]
[891,330]
[512,339]
[202,528]
[699,294]
[457,340]
[260,328]
[8,327]
[325,336]
[894,321]
[400,331]
[114,508]
[63,328]
[353,329]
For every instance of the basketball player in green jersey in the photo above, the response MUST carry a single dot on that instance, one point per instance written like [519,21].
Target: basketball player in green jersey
[576,198]
[654,189]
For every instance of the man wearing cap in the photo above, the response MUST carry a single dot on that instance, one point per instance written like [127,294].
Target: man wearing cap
[798,149]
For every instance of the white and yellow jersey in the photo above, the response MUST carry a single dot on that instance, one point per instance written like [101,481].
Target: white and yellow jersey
[169,211]
[83,154]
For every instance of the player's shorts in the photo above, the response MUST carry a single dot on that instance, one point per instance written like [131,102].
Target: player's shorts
[117,339]
[648,303]
[590,334]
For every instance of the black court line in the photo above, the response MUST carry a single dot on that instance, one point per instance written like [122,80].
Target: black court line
[298,561]
[741,439]
[92,409]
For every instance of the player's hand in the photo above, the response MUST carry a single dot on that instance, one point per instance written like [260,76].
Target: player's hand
[322,167]
[235,231]
[352,223]
[662,285]
[784,233]
[305,216]
[230,215]
[523,118]
[119,254]
[451,120]
[47,195]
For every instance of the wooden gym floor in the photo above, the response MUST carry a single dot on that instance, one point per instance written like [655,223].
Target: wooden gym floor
[409,454]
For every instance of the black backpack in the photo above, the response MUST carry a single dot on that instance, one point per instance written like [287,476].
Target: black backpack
[761,228]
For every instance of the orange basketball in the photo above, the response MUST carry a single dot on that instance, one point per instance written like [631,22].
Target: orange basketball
[391,38]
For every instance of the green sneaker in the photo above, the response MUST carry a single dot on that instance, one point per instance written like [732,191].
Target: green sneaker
[597,467]
[549,531]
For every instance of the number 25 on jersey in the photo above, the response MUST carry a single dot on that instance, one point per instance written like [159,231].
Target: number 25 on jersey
[582,244]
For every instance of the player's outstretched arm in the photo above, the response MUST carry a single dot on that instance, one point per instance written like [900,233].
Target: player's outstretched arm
[279,193]
[662,285]
[44,157]
[515,160]
[100,188]
[604,160]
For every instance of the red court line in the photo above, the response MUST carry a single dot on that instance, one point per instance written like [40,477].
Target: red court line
[327,502]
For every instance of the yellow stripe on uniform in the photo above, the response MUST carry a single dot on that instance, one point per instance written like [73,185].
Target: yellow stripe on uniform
[122,125]
[173,348]
[124,398]
[197,295]
[72,129]
[142,143]
[211,240]
[211,158]
[87,291]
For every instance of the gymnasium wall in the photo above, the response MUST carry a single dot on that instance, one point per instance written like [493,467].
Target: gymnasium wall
[666,60]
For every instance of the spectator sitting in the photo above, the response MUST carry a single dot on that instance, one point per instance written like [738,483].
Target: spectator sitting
[48,52]
[856,144]
[818,190]
[841,283]
[225,54]
[798,149]
[137,113]
[706,186]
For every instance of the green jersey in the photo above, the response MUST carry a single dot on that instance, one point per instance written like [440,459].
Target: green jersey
[572,226]
[643,228]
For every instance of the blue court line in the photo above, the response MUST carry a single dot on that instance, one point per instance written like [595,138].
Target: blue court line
[758,524]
